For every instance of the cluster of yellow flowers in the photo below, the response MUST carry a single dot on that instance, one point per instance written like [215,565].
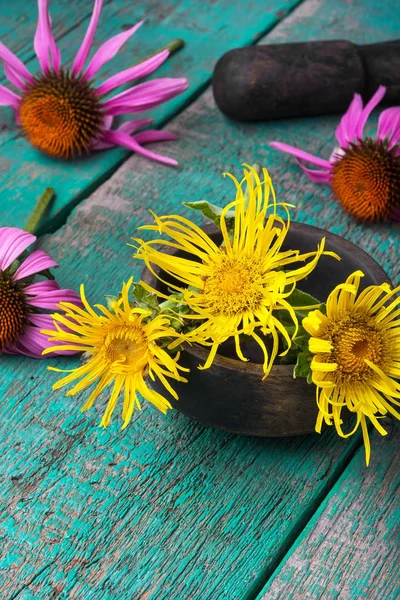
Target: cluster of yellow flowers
[240,286]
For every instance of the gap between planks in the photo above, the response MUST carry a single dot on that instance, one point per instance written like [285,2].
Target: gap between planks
[268,575]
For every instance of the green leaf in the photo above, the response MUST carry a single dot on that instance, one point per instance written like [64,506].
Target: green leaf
[290,358]
[299,298]
[144,299]
[284,317]
[48,274]
[210,211]
[110,301]
[14,266]
[302,367]
[175,302]
[301,341]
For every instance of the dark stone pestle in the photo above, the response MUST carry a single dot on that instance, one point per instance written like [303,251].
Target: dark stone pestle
[260,83]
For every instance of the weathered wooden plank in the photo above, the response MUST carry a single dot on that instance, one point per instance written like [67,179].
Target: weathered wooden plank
[25,172]
[167,509]
[349,549]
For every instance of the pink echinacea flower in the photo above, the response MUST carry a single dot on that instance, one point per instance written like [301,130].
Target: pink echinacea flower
[63,114]
[23,301]
[364,173]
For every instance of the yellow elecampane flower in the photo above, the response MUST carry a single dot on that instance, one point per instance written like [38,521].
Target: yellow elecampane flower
[234,288]
[357,355]
[123,352]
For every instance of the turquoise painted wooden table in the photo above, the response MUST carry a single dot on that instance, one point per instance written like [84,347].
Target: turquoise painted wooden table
[169,509]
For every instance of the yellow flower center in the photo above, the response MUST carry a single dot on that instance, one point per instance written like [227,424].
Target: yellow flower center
[12,311]
[60,115]
[366,180]
[235,285]
[127,346]
[356,339]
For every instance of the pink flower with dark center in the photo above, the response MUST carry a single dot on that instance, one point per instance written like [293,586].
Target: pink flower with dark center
[24,301]
[63,113]
[364,173]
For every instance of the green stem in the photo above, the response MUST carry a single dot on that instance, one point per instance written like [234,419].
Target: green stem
[171,304]
[39,210]
[173,46]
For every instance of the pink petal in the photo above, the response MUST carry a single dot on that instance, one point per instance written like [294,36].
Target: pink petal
[101,145]
[107,124]
[152,135]
[14,63]
[13,242]
[107,121]
[50,300]
[108,50]
[24,345]
[13,77]
[145,91]
[47,322]
[133,125]
[346,130]
[41,321]
[141,70]
[119,138]
[32,343]
[145,96]
[9,98]
[369,107]
[389,126]
[83,51]
[122,109]
[37,341]
[128,127]
[44,43]
[35,263]
[316,176]
[41,286]
[301,154]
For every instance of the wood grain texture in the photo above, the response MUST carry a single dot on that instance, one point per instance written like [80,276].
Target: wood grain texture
[350,548]
[209,31]
[167,508]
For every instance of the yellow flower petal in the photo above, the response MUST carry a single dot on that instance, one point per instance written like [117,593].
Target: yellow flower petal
[322,367]
[317,345]
[239,286]
[314,322]
[123,352]
[356,349]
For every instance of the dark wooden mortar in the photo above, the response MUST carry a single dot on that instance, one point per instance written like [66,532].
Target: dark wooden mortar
[231,394]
